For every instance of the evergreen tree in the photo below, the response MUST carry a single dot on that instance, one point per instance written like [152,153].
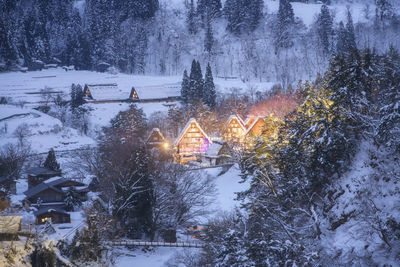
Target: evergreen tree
[384,9]
[208,9]
[51,161]
[185,89]
[195,82]
[71,199]
[243,15]
[209,38]
[283,27]
[191,19]
[351,39]
[209,96]
[346,39]
[325,29]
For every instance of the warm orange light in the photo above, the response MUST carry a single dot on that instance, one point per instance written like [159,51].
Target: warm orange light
[165,145]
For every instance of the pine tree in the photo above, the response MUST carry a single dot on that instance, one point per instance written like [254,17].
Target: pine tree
[185,89]
[51,162]
[191,19]
[209,38]
[199,88]
[196,82]
[283,27]
[384,9]
[243,15]
[208,9]
[346,39]
[71,199]
[351,39]
[325,29]
[209,96]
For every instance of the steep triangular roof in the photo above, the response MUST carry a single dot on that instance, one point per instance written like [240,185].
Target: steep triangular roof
[155,132]
[192,120]
[253,124]
[133,94]
[249,121]
[234,117]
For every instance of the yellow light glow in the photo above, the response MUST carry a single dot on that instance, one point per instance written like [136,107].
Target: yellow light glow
[166,145]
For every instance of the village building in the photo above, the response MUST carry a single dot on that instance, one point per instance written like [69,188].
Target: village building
[133,95]
[218,153]
[52,192]
[9,227]
[104,92]
[192,143]
[249,121]
[234,130]
[255,130]
[38,175]
[53,214]
[156,139]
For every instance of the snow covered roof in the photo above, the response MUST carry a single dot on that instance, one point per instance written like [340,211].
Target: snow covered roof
[155,131]
[10,224]
[234,117]
[52,209]
[252,125]
[63,182]
[35,171]
[40,188]
[106,91]
[192,120]
[213,149]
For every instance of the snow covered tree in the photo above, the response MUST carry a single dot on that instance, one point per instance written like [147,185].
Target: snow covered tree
[384,9]
[195,82]
[209,37]
[185,89]
[51,161]
[209,94]
[191,19]
[72,199]
[346,39]
[243,15]
[208,9]
[283,28]
[325,29]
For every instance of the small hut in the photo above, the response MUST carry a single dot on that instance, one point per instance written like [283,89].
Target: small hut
[9,227]
[56,215]
[133,95]
[234,130]
[155,139]
[191,143]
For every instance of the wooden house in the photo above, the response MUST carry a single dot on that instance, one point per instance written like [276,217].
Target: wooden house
[55,215]
[104,92]
[51,192]
[133,95]
[249,121]
[155,139]
[255,130]
[9,227]
[192,143]
[218,153]
[234,130]
[38,175]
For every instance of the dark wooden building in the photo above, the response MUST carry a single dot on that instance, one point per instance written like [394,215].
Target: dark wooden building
[155,139]
[56,215]
[133,95]
[38,175]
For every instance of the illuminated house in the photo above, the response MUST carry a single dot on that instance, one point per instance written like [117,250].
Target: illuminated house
[255,129]
[234,130]
[133,95]
[155,139]
[103,92]
[249,121]
[192,143]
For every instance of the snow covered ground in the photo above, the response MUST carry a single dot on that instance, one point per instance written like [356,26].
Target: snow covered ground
[40,130]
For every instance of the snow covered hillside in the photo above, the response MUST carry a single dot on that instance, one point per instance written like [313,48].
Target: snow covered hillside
[40,130]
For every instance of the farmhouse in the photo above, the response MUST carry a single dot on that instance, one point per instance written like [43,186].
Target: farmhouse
[38,175]
[103,92]
[56,215]
[133,95]
[233,130]
[50,192]
[192,143]
[155,139]
[256,128]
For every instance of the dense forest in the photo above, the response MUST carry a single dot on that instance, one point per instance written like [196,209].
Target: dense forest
[236,37]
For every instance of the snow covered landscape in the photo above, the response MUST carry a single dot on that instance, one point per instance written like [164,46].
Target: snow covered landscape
[200,133]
